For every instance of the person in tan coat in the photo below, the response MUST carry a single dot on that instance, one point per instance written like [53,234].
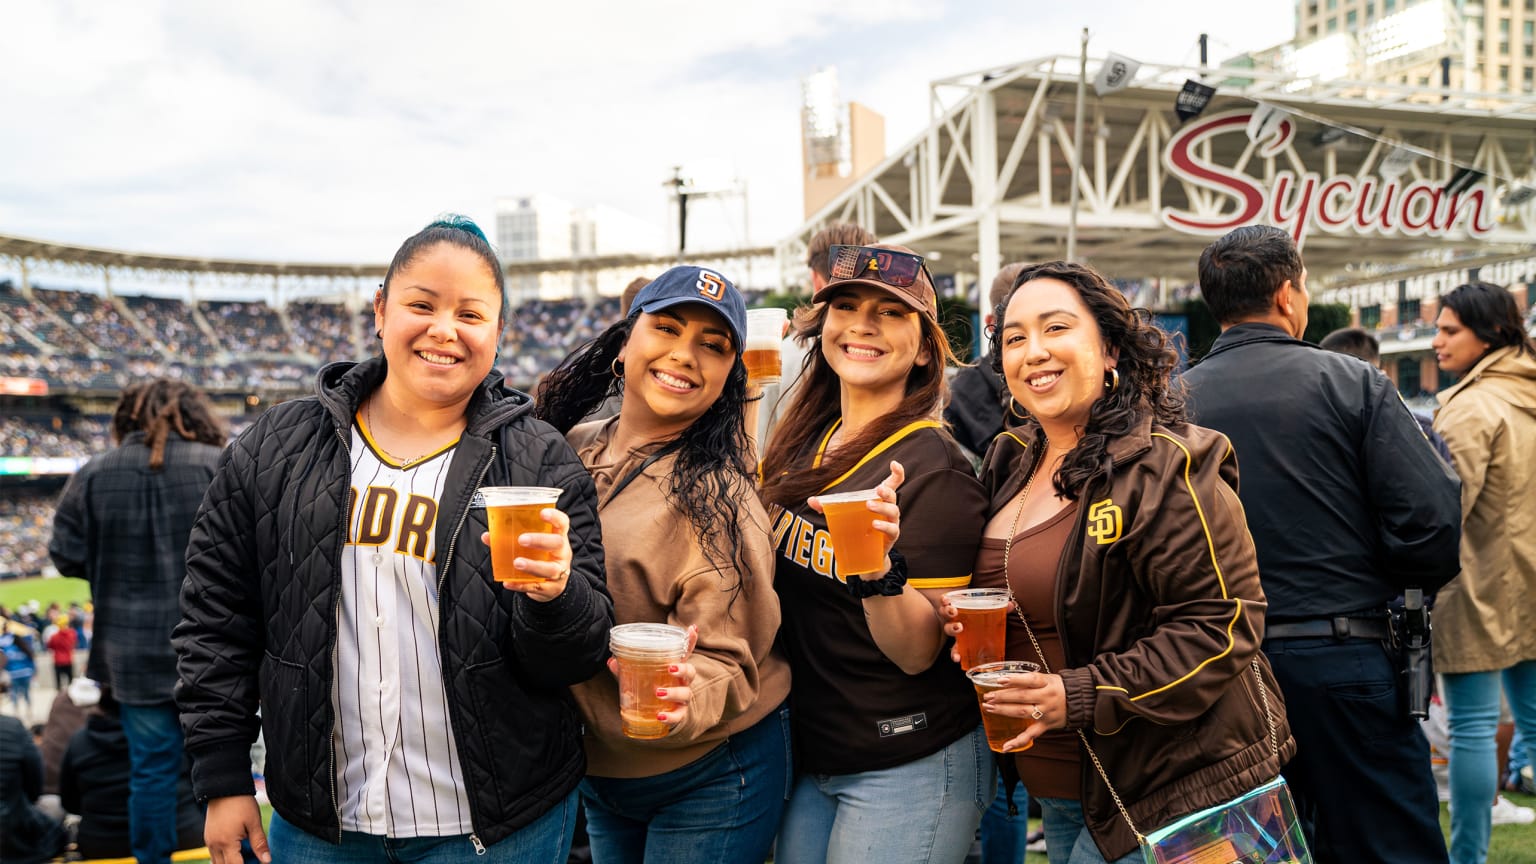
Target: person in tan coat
[1485,623]
[686,543]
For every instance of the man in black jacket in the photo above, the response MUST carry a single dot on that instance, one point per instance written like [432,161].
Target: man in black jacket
[977,409]
[1348,505]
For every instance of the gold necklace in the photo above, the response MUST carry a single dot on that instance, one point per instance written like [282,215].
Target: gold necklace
[374,433]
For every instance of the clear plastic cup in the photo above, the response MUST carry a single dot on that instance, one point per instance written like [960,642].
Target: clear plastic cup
[1000,730]
[983,617]
[644,653]
[512,511]
[856,545]
[765,333]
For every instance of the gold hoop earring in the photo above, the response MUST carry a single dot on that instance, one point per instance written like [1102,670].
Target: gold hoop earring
[1112,383]
[1017,410]
[616,368]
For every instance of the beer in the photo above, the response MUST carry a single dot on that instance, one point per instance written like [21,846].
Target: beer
[983,624]
[644,653]
[763,365]
[765,331]
[511,511]
[856,545]
[1000,729]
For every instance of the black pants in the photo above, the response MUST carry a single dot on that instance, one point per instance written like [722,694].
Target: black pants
[62,674]
[1361,774]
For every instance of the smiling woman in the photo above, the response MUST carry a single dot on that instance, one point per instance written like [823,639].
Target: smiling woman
[686,543]
[337,577]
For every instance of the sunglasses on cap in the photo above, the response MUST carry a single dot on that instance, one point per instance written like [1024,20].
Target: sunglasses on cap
[896,269]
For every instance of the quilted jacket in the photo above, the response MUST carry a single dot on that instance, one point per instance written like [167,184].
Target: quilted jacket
[262,594]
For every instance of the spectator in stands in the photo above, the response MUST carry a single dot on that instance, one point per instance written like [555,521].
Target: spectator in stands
[977,397]
[1355,342]
[1483,633]
[94,781]
[16,645]
[630,291]
[61,644]
[27,836]
[122,524]
[1347,508]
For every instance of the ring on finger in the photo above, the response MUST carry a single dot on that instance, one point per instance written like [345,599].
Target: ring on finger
[1035,712]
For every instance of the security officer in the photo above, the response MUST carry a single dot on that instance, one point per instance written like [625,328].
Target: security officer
[1348,505]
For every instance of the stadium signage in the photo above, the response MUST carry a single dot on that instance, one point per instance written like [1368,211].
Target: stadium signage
[1299,203]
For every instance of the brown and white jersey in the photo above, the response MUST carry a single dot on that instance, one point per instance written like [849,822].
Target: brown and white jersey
[397,767]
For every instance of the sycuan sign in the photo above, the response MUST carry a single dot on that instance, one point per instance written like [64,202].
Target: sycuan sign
[1337,204]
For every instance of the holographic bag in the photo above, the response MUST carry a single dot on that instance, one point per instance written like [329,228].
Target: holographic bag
[1258,827]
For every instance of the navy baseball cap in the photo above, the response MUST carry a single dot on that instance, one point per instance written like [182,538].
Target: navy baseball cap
[689,284]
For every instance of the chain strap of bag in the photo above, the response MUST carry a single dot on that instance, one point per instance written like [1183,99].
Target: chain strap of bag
[1013,530]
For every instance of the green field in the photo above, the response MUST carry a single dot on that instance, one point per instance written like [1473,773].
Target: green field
[14,592]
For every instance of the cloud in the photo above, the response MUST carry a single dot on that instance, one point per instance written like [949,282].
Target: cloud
[328,131]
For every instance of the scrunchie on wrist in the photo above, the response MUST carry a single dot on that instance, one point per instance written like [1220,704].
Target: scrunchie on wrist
[889,585]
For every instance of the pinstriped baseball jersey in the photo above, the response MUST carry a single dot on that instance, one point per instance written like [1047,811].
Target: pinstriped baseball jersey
[398,771]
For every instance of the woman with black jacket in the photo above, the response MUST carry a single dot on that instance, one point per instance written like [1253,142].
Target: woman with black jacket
[338,579]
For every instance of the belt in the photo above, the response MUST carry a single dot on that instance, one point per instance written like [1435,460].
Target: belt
[1340,627]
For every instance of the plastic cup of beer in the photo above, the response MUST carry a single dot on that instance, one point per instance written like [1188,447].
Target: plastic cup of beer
[1000,729]
[983,617]
[858,547]
[765,331]
[512,511]
[644,652]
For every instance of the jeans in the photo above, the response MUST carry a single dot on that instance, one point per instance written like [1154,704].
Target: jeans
[1004,837]
[1361,763]
[922,812]
[1472,706]
[723,806]
[155,754]
[547,840]
[1067,840]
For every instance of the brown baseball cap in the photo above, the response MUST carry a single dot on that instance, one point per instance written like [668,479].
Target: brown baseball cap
[919,295]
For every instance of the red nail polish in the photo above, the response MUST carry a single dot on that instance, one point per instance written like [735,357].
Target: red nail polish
[661,717]
[672,669]
[661,693]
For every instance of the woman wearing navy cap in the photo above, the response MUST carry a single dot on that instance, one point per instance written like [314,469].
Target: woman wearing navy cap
[686,543]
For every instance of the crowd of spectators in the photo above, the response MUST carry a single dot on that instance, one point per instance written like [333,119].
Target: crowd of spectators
[327,331]
[26,522]
[246,328]
[542,332]
[96,318]
[53,436]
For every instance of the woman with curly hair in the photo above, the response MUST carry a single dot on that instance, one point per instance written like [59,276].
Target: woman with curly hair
[685,543]
[1116,526]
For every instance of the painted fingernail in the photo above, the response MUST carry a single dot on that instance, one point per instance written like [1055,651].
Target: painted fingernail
[661,717]
[661,692]
[672,669]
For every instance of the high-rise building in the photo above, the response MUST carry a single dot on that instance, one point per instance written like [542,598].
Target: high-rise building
[1487,46]
[533,227]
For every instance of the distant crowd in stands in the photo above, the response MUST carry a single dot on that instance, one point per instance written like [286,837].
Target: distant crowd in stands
[83,341]
[26,522]
[53,436]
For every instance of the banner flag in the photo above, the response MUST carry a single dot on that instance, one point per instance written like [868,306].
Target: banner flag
[1116,74]
[1192,99]
[1265,122]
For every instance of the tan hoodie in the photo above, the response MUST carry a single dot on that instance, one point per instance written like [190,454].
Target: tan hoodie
[658,573]
[1485,618]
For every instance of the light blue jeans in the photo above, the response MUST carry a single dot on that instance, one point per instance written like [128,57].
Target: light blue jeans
[546,840]
[1067,840]
[923,812]
[1472,707]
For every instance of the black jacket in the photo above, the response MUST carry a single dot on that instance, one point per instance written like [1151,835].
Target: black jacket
[26,835]
[262,593]
[93,783]
[1347,502]
[976,412]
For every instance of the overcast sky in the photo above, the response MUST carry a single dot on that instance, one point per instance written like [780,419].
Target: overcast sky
[328,131]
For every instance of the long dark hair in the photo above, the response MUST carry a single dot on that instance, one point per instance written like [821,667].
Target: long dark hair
[711,467]
[818,402]
[1492,315]
[1146,361]
[162,406]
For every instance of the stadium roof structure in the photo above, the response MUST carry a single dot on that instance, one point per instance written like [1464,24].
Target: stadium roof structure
[23,249]
[1359,171]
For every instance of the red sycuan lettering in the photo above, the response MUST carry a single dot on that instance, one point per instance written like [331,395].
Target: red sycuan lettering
[1344,203]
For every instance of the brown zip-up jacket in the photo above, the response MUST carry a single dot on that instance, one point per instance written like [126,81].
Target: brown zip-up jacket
[1161,615]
